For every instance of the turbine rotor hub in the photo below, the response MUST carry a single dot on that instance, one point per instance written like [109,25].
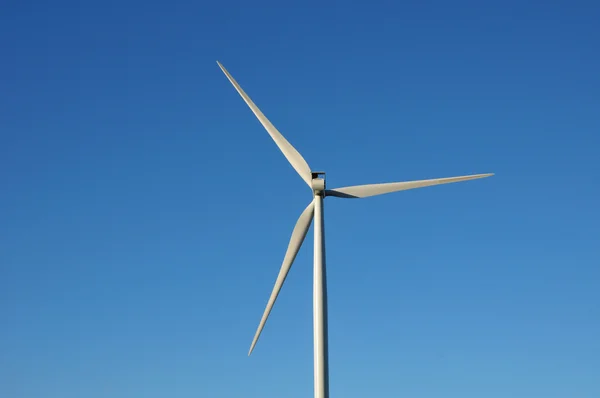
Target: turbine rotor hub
[318,182]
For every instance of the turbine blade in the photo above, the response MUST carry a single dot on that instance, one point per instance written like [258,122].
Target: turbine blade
[291,154]
[298,235]
[363,191]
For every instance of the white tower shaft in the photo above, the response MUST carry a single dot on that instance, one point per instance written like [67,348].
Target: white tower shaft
[321,355]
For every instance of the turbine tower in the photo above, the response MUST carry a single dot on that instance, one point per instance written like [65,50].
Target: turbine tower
[316,182]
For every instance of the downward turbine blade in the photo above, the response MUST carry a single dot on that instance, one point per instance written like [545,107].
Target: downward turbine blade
[296,240]
[291,154]
[363,191]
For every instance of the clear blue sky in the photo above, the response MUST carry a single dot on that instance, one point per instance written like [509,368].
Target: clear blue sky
[145,212]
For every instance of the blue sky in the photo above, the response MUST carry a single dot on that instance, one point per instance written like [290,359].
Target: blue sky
[145,212]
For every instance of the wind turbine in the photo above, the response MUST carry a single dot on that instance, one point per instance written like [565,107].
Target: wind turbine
[316,182]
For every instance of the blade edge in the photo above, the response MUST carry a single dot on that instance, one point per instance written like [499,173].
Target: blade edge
[296,241]
[291,154]
[364,191]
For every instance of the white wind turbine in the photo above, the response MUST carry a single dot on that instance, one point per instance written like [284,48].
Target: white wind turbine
[316,183]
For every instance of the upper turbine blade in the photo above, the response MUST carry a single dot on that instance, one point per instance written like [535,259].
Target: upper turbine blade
[363,191]
[296,240]
[291,154]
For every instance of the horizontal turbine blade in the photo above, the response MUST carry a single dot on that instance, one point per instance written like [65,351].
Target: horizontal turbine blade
[291,154]
[298,235]
[363,191]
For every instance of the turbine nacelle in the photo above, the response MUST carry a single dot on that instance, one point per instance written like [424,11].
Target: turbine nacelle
[318,182]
